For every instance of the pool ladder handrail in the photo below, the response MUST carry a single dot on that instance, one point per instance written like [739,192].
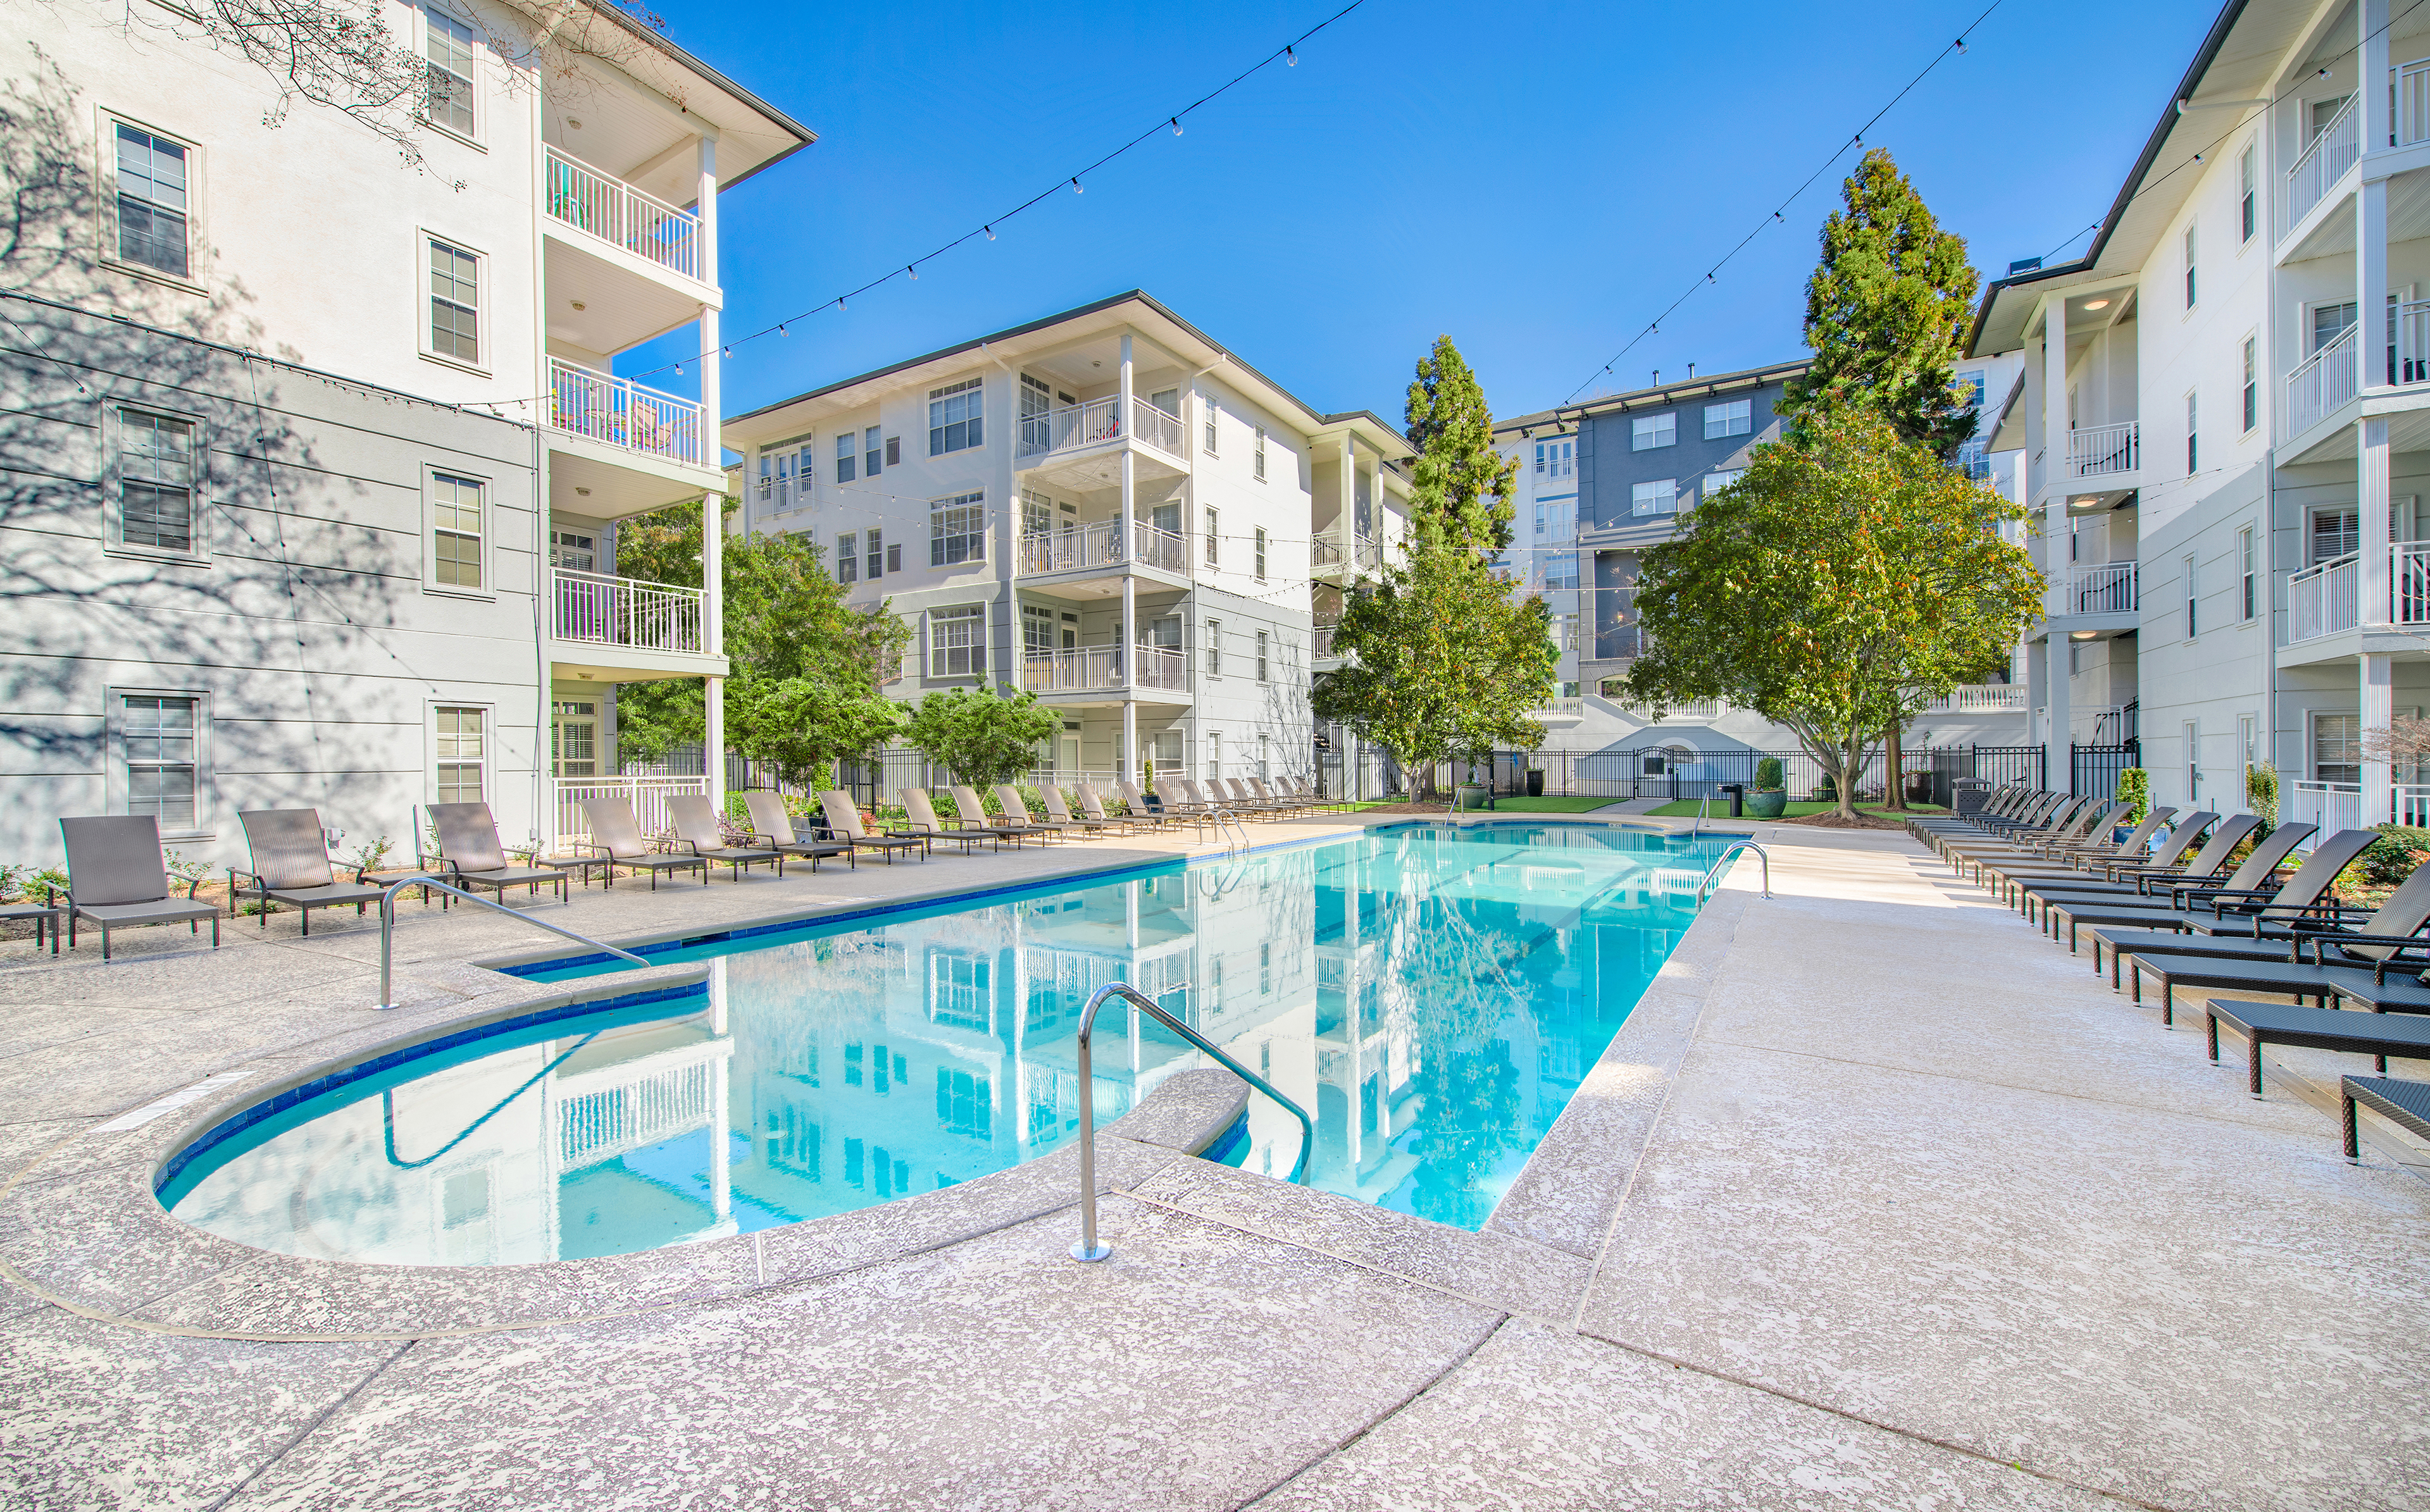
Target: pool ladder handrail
[1713,876]
[426,881]
[1089,1249]
[1218,816]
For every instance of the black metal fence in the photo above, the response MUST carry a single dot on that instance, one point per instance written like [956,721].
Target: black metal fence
[1672,773]
[2095,768]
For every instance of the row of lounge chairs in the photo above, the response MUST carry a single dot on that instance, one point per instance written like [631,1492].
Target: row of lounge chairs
[118,877]
[2165,912]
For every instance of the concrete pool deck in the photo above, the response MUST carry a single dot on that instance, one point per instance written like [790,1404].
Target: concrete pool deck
[1877,1199]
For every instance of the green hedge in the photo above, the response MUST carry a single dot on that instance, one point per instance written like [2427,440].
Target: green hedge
[2392,858]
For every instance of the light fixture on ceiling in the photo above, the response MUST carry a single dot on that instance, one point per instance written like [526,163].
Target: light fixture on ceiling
[2096,304]
[2084,634]
[580,304]
[571,122]
[583,492]
[2081,502]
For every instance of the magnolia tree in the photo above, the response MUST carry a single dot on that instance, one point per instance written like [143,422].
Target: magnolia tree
[1835,588]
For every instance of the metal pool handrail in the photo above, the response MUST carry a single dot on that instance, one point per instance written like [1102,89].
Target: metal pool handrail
[1732,849]
[423,879]
[1089,1249]
[1219,817]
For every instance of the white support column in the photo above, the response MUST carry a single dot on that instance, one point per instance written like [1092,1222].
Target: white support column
[713,740]
[2060,738]
[2378,700]
[2372,603]
[2370,283]
[711,392]
[1128,761]
[2378,123]
[712,505]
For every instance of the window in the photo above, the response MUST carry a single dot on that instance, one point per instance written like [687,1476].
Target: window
[2329,322]
[1261,656]
[965,1103]
[957,641]
[1263,772]
[877,557]
[573,739]
[2249,585]
[1206,407]
[2337,747]
[1557,459]
[2249,741]
[870,455]
[1215,768]
[847,557]
[2192,596]
[1257,552]
[1722,478]
[954,417]
[1214,540]
[447,50]
[2192,260]
[159,744]
[776,477]
[1556,518]
[2335,533]
[156,481]
[1036,513]
[154,204]
[1660,496]
[893,451]
[1258,456]
[573,550]
[1168,400]
[957,530]
[455,530]
[2192,738]
[2193,430]
[1561,570]
[1735,418]
[2251,383]
[1036,629]
[1037,429]
[847,457]
[1565,635]
[454,303]
[1649,431]
[462,749]
[1214,648]
[2248,194]
[1971,390]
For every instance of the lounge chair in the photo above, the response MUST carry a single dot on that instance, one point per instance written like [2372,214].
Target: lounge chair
[2168,865]
[116,878]
[1139,811]
[1182,798]
[2098,903]
[1061,813]
[923,824]
[698,832]
[2376,939]
[1016,811]
[2040,820]
[2078,824]
[469,853]
[291,865]
[616,840]
[2406,1104]
[843,823]
[2082,861]
[2090,829]
[2371,987]
[1291,803]
[2377,1034]
[973,814]
[772,826]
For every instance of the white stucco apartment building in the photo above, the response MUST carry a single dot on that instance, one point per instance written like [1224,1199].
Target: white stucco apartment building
[314,462]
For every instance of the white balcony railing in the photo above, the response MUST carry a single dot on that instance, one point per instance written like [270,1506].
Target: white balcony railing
[1981,698]
[2408,582]
[1575,706]
[587,200]
[621,611]
[2410,361]
[1698,708]
[2104,450]
[1333,553]
[2328,380]
[620,412]
[1099,669]
[2412,122]
[648,796]
[2413,805]
[1321,642]
[2100,587]
[1100,544]
[2323,600]
[1098,422]
[2331,156]
[2328,806]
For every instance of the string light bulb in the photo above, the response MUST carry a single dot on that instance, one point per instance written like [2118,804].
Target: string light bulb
[989,230]
[1290,58]
[1176,126]
[729,354]
[1075,186]
[1961,46]
[840,302]
[780,329]
[913,269]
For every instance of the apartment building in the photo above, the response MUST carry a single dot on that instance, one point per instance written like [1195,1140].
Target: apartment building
[2227,411]
[1104,506]
[315,471]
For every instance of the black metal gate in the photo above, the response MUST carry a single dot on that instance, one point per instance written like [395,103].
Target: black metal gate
[2095,768]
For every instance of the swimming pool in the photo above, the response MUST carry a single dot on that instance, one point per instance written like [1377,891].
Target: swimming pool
[1432,995]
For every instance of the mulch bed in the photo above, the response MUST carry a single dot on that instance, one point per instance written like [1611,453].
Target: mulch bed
[1837,822]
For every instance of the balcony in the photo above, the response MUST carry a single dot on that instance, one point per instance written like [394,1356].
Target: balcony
[2103,587]
[621,413]
[1981,698]
[1098,423]
[2103,451]
[1099,670]
[1100,544]
[2331,156]
[2327,599]
[2327,806]
[1320,645]
[1333,553]
[622,611]
[648,796]
[615,212]
[2331,377]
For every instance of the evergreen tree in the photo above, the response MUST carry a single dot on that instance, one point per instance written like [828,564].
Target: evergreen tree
[1461,488]
[1887,313]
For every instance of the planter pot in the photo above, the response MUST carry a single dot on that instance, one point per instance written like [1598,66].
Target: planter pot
[1536,783]
[1468,795]
[1767,804]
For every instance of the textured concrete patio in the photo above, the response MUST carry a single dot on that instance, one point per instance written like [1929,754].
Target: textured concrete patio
[1878,1198]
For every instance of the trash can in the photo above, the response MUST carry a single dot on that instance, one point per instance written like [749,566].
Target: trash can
[1737,798]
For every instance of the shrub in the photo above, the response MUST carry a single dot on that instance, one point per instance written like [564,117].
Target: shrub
[1767,776]
[1826,791]
[2135,786]
[2392,859]
[25,884]
[2261,794]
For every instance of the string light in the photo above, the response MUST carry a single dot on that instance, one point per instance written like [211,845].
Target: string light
[914,270]
[989,230]
[1176,126]
[1077,189]
[1290,60]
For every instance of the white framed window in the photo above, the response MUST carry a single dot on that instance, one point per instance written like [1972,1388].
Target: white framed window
[1214,648]
[574,550]
[448,52]
[454,275]
[2329,319]
[159,762]
[2337,531]
[2193,596]
[458,509]
[1258,456]
[958,529]
[1971,389]
[1037,404]
[953,420]
[1658,496]
[1560,571]
[460,754]
[2248,585]
[1263,640]
[847,557]
[1214,753]
[1722,478]
[2337,747]
[1036,513]
[2193,251]
[155,471]
[1648,431]
[1214,537]
[1257,551]
[153,188]
[574,737]
[1735,417]
[881,558]
[2251,383]
[1557,459]
[1264,957]
[788,475]
[1036,629]
[1168,400]
[1208,411]
[1556,518]
[847,457]
[2193,434]
[958,642]
[2248,192]
[2248,738]
[871,453]
[1565,635]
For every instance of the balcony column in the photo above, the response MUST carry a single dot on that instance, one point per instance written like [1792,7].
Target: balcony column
[2058,739]
[2372,603]
[712,453]
[2058,475]
[2378,703]
[2372,337]
[2378,123]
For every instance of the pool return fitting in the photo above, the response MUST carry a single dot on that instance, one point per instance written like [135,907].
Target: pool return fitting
[1089,1249]
[426,881]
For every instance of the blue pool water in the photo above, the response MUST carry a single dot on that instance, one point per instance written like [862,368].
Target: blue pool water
[1431,995]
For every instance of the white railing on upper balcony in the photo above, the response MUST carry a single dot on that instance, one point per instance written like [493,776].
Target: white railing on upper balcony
[2104,450]
[617,213]
[1980,698]
[2330,378]
[2413,805]
[2323,600]
[1321,642]
[621,611]
[620,412]
[1563,706]
[2101,587]
[2408,582]
[2327,806]
[2331,156]
[1099,669]
[2412,123]
[2410,361]
[1095,422]
[1694,709]
[1100,544]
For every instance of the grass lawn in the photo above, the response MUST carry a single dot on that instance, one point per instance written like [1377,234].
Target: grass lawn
[1720,808]
[1551,806]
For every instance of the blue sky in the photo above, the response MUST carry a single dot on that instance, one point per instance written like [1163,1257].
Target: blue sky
[1537,181]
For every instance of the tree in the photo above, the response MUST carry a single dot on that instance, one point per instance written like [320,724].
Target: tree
[981,736]
[801,725]
[1833,589]
[1443,662]
[1461,488]
[1886,313]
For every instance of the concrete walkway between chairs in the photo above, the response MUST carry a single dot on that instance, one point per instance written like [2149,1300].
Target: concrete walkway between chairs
[1878,1198]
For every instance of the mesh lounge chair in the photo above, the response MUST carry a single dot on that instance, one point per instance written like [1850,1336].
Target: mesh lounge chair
[1181,798]
[2210,862]
[2283,1024]
[616,838]
[1016,811]
[1137,810]
[2378,939]
[924,823]
[2065,862]
[771,826]
[1060,812]
[2186,895]
[469,853]
[973,816]
[698,833]
[843,822]
[291,865]
[2406,1104]
[116,877]
[1290,803]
